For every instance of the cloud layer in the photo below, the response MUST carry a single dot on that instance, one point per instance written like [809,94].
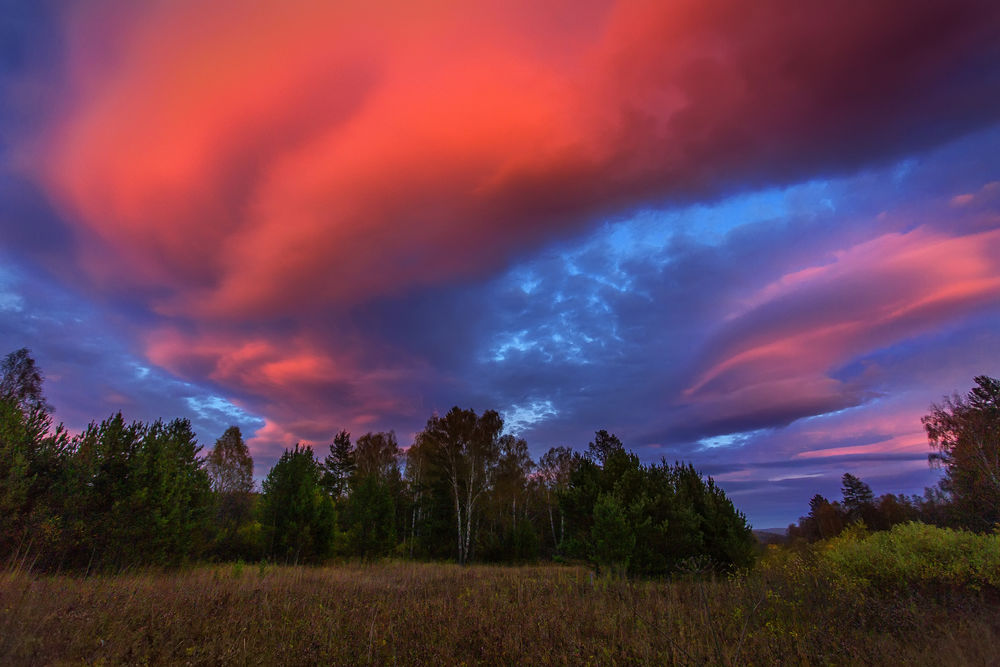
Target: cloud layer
[699,224]
[329,154]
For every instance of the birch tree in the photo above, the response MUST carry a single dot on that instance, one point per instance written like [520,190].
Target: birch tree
[466,449]
[554,469]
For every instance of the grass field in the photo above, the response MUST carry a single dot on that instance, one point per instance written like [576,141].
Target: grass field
[411,613]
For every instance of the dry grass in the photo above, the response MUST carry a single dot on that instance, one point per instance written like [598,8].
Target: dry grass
[410,613]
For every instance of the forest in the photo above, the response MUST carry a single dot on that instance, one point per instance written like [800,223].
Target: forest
[964,435]
[125,494]
[128,543]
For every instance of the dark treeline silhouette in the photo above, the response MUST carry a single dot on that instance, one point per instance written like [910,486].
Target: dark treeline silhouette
[125,494]
[964,434]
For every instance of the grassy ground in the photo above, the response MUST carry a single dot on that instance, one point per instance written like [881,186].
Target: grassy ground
[409,613]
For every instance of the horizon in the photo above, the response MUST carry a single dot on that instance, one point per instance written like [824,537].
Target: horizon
[758,239]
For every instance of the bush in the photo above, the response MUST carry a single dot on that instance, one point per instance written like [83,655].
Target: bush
[916,554]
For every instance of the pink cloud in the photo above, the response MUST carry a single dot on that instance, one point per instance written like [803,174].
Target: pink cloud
[910,443]
[777,352]
[306,391]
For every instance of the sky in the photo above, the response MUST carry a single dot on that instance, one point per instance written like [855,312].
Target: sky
[760,237]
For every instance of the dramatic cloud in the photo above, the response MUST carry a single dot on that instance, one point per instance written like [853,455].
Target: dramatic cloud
[763,236]
[245,159]
[776,356]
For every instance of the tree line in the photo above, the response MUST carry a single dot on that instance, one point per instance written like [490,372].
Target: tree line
[124,494]
[964,435]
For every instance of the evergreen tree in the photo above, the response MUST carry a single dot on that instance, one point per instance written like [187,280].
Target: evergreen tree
[370,511]
[33,457]
[339,466]
[859,501]
[370,518]
[612,537]
[298,517]
[140,494]
[672,513]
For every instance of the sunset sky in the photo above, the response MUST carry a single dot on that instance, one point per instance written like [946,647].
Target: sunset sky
[762,236]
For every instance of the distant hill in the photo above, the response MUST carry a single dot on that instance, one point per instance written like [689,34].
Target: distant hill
[770,535]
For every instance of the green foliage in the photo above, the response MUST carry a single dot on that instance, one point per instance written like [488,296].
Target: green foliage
[129,494]
[915,554]
[672,513]
[965,434]
[369,518]
[298,517]
[339,466]
[612,538]
[33,458]
[459,454]
[140,494]
[229,464]
[230,469]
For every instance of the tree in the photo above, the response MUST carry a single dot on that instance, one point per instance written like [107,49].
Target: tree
[671,511]
[339,466]
[826,519]
[554,469]
[229,464]
[376,454]
[506,532]
[139,494]
[21,381]
[431,503]
[369,512]
[174,493]
[465,448]
[510,485]
[370,518]
[965,436]
[611,535]
[33,458]
[859,501]
[603,447]
[298,516]
[230,469]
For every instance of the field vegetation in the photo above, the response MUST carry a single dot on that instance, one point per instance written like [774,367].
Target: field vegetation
[801,606]
[127,544]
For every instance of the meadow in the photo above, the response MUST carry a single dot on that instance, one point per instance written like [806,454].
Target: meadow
[793,608]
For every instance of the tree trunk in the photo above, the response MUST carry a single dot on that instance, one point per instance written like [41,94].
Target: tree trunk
[458,517]
[552,525]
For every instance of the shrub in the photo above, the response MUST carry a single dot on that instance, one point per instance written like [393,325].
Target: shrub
[916,554]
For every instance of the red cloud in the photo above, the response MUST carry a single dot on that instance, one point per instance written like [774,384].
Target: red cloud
[242,158]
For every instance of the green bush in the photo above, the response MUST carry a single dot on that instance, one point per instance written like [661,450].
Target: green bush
[915,554]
